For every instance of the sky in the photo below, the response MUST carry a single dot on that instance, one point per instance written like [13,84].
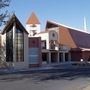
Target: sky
[67,12]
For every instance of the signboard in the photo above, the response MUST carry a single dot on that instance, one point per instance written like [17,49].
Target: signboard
[33,56]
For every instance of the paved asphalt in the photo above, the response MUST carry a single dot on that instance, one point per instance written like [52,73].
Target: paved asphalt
[53,79]
[57,78]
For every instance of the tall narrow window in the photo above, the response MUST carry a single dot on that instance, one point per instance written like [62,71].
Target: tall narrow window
[19,45]
[9,45]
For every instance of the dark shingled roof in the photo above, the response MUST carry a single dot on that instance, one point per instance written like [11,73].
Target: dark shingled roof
[81,39]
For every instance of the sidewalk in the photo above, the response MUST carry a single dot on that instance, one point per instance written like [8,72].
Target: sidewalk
[87,88]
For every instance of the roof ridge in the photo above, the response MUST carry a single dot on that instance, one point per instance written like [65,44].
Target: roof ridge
[67,26]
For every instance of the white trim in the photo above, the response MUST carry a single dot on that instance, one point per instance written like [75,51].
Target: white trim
[85,49]
[14,43]
[68,26]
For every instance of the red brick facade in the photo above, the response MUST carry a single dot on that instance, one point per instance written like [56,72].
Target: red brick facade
[76,55]
[86,55]
[79,54]
[34,42]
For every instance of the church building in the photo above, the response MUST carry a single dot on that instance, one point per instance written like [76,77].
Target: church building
[31,47]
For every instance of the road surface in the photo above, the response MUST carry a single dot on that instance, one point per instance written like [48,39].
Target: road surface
[68,80]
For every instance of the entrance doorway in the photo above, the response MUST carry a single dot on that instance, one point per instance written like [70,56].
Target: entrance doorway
[60,57]
[45,58]
[53,57]
[66,57]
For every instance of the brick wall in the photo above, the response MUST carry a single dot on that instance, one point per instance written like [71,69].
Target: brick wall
[86,55]
[76,55]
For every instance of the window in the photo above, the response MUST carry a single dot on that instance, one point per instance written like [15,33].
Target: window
[53,34]
[34,32]
[43,44]
[19,45]
[33,25]
[52,44]
[66,56]
[9,45]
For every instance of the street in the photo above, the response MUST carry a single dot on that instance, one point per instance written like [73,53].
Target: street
[63,80]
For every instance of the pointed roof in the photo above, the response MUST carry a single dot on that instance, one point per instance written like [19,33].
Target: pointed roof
[11,21]
[50,24]
[33,19]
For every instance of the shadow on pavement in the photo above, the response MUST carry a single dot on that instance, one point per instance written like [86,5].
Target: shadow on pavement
[38,77]
[65,76]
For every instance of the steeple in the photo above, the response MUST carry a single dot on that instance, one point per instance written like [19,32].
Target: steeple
[85,24]
[33,25]
[33,19]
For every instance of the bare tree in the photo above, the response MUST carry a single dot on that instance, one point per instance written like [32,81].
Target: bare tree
[3,19]
[3,11]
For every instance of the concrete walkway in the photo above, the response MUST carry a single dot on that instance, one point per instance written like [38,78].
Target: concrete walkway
[87,88]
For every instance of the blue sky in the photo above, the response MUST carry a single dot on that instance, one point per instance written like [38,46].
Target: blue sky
[68,12]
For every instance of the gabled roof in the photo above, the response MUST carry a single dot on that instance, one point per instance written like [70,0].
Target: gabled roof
[33,19]
[73,38]
[55,24]
[65,38]
[11,21]
[50,24]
